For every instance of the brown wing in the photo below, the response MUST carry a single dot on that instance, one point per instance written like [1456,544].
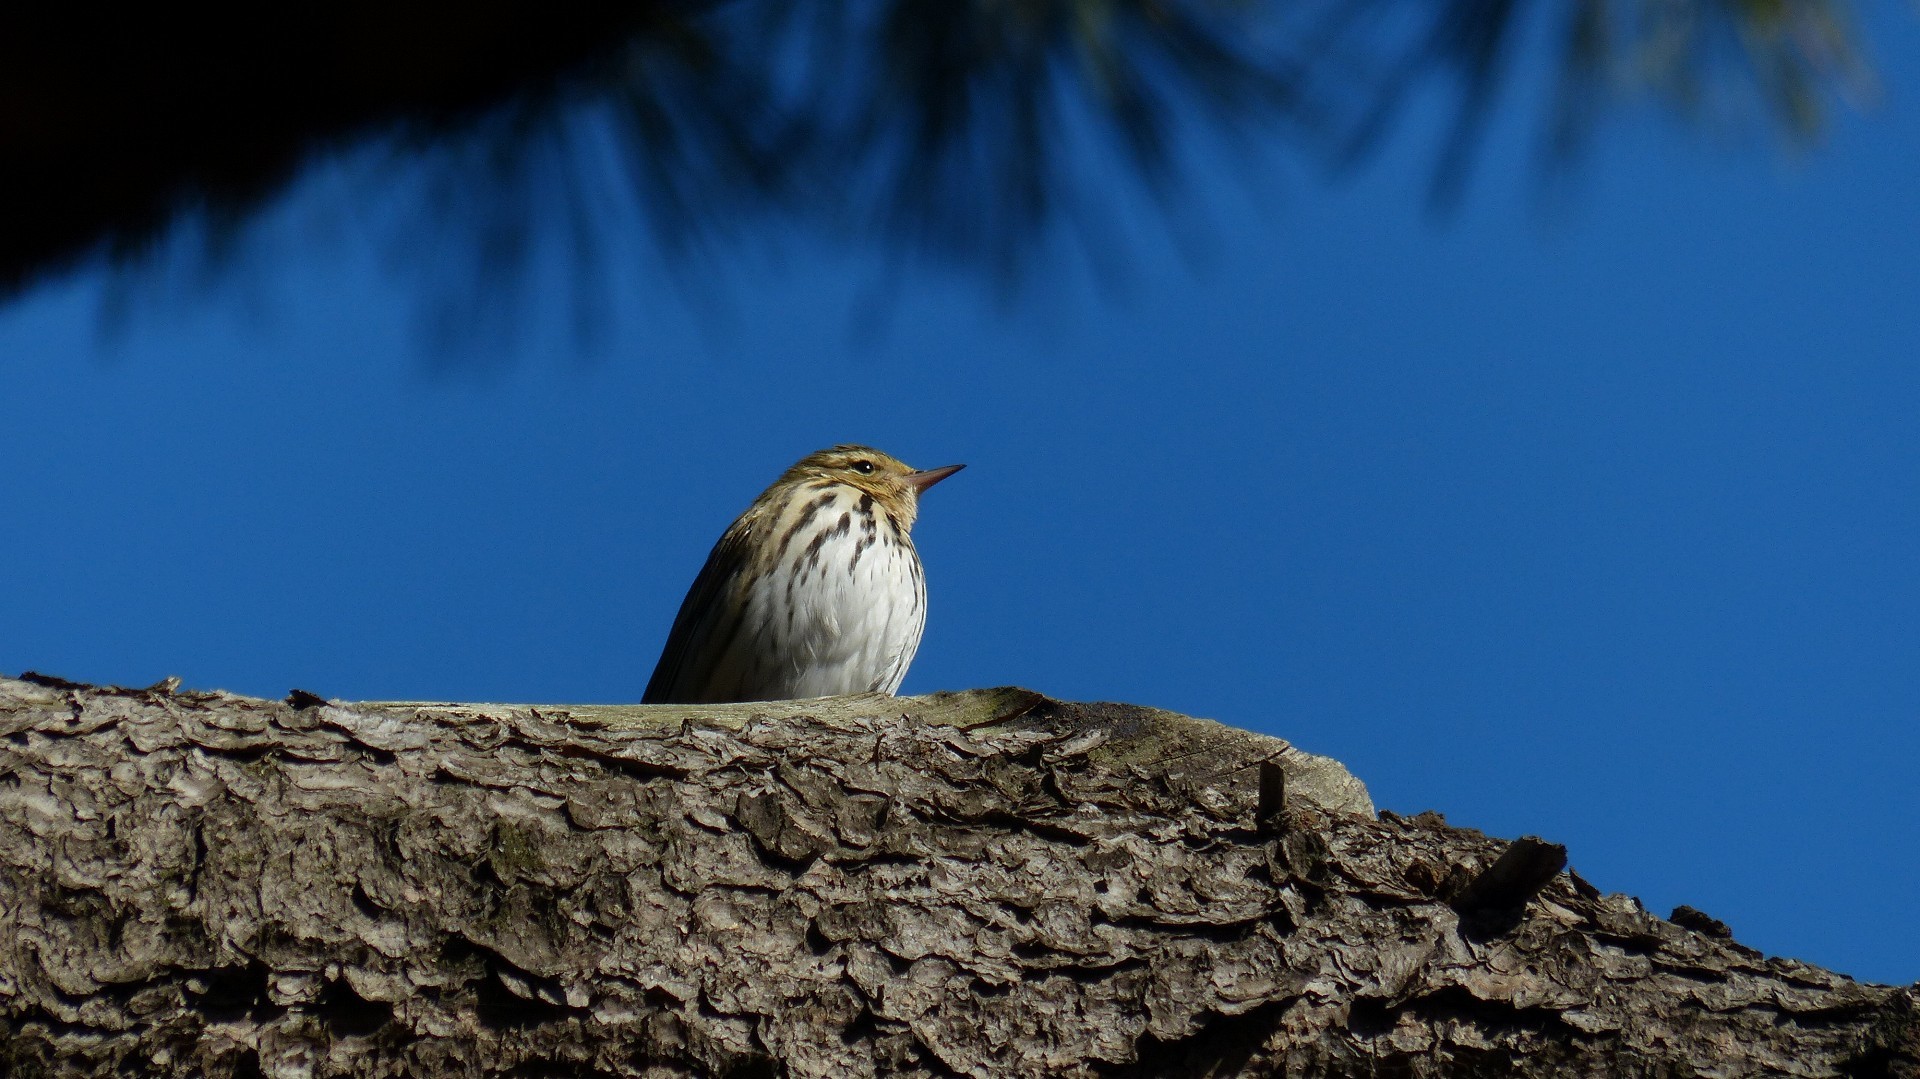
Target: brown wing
[708,620]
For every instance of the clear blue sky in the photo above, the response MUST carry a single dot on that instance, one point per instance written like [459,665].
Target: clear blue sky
[1597,522]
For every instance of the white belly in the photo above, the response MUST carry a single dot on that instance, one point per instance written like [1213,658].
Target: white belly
[845,617]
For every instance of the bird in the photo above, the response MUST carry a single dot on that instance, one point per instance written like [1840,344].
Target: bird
[816,590]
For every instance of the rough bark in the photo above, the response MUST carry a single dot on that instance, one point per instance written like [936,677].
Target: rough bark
[990,883]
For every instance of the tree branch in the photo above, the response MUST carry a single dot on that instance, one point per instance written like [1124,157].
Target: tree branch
[988,883]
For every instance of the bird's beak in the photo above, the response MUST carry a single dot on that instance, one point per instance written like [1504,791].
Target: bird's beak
[927,477]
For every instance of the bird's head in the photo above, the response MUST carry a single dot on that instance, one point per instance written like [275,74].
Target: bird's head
[894,484]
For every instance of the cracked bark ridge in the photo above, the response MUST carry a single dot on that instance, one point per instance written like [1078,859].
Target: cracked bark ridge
[983,884]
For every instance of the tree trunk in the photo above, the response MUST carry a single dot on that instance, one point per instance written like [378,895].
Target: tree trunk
[988,883]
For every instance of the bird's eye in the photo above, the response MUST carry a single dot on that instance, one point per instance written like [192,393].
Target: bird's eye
[865,468]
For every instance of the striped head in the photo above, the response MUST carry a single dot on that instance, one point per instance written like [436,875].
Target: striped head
[894,485]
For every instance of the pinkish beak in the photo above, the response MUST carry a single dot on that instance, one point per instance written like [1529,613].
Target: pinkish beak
[927,477]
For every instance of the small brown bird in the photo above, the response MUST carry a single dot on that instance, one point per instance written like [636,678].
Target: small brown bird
[816,590]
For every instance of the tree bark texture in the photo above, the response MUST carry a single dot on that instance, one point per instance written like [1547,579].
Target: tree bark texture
[983,884]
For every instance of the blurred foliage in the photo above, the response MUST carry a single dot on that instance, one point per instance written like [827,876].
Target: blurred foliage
[963,130]
[1711,63]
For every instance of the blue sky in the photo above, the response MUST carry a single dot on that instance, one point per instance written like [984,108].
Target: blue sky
[1592,516]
